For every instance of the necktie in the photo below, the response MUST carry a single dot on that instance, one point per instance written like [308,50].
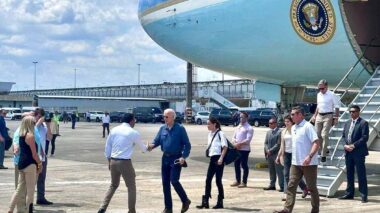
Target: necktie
[351,130]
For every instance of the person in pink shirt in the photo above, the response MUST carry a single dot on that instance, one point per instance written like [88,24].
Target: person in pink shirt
[242,140]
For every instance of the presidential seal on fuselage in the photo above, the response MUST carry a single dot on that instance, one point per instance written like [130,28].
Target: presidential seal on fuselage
[313,20]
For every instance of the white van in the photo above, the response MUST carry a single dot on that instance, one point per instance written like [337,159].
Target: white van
[28,109]
[12,113]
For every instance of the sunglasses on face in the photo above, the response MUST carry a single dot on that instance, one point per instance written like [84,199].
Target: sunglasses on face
[322,88]
[353,111]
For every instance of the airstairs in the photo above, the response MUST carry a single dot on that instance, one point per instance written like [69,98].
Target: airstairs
[216,97]
[332,174]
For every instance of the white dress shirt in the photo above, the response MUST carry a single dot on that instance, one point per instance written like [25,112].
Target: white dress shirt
[121,141]
[303,135]
[327,102]
[42,130]
[217,144]
[106,119]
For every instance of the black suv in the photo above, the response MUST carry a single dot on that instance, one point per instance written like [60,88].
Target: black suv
[226,116]
[148,114]
[116,116]
[260,117]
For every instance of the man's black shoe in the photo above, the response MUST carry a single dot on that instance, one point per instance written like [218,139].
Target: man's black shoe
[281,190]
[167,210]
[323,159]
[346,197]
[270,188]
[185,206]
[44,202]
[102,211]
[364,199]
[3,167]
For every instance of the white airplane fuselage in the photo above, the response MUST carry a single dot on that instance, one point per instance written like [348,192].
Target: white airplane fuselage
[285,42]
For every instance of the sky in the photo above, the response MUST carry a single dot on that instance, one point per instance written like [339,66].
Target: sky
[101,39]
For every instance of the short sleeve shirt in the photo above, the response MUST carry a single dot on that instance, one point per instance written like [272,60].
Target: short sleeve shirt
[327,102]
[303,135]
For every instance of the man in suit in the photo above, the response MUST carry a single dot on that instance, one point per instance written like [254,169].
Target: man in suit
[271,147]
[355,137]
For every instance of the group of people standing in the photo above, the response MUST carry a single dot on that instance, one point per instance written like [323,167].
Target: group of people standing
[30,144]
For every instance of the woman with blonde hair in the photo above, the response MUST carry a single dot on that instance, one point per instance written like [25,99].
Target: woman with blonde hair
[284,156]
[29,164]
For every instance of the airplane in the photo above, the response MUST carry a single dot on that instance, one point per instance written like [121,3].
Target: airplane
[295,42]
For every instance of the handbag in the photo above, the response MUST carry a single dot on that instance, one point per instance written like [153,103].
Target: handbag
[8,143]
[232,154]
[208,148]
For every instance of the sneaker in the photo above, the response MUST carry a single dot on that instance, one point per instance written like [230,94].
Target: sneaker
[323,159]
[235,184]
[242,185]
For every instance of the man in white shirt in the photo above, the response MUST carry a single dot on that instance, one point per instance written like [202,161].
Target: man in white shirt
[106,124]
[305,144]
[118,151]
[325,116]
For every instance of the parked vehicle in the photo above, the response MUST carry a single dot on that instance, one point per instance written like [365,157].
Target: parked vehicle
[12,113]
[202,117]
[28,109]
[260,117]
[116,116]
[96,116]
[179,117]
[148,114]
[226,116]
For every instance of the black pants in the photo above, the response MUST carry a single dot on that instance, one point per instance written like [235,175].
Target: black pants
[106,126]
[356,162]
[243,162]
[53,144]
[73,123]
[217,170]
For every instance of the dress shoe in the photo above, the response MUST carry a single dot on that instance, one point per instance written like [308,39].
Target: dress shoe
[185,206]
[281,190]
[364,199]
[44,202]
[305,192]
[235,184]
[3,167]
[323,159]
[281,211]
[346,197]
[243,185]
[270,188]
[102,211]
[167,210]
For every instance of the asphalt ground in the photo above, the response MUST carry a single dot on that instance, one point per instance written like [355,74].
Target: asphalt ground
[78,177]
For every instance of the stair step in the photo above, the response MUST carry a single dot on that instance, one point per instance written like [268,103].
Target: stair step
[370,103]
[368,95]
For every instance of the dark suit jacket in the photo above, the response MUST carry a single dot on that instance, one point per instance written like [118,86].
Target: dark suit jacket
[359,136]
[273,141]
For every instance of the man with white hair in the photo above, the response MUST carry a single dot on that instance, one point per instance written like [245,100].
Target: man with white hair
[175,145]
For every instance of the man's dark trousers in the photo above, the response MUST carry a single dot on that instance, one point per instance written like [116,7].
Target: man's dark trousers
[41,181]
[356,162]
[171,173]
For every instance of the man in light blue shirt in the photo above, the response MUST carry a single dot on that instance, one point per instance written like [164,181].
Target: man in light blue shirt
[118,151]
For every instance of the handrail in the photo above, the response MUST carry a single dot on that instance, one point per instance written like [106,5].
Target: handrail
[365,105]
[353,67]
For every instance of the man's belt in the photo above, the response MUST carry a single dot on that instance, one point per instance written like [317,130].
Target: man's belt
[326,113]
[169,154]
[119,159]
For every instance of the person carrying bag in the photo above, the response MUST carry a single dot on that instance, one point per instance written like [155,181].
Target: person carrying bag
[217,149]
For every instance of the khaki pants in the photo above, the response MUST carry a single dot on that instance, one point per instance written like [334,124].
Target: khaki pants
[310,174]
[323,125]
[27,182]
[125,169]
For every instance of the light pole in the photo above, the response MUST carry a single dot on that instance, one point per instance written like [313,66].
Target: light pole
[35,73]
[75,78]
[138,75]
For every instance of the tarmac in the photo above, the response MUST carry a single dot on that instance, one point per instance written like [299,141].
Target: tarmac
[78,177]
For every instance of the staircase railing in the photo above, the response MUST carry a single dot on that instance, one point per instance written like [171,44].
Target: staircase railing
[362,109]
[345,77]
